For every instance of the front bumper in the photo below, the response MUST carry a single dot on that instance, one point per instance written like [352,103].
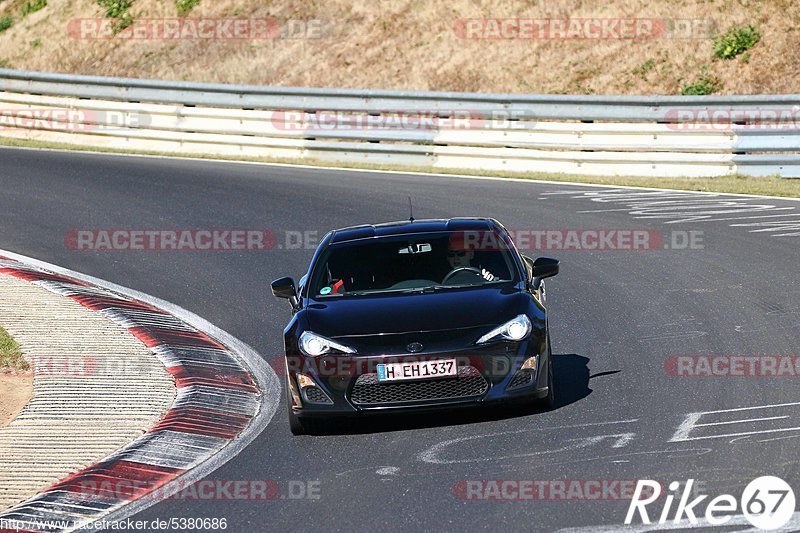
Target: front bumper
[347,385]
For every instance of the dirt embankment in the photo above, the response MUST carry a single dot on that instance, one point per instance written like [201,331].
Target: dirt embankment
[15,392]
[561,46]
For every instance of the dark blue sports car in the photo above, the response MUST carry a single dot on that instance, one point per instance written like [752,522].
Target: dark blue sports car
[416,315]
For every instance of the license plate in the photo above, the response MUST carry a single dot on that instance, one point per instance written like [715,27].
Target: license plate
[417,370]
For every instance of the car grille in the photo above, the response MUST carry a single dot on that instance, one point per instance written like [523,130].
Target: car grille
[368,391]
[523,378]
[315,395]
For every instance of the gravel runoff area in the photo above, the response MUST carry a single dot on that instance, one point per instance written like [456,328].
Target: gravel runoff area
[96,388]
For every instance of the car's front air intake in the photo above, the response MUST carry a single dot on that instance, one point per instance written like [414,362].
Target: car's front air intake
[367,391]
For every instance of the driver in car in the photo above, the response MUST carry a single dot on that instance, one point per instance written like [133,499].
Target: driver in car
[459,257]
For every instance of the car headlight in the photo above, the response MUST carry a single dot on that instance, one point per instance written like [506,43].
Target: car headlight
[314,345]
[514,330]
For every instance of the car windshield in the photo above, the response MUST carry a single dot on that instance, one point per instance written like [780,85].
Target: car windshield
[414,263]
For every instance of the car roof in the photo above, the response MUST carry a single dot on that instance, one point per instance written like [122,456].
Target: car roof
[404,227]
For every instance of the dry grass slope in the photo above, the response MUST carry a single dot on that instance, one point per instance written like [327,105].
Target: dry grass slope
[412,44]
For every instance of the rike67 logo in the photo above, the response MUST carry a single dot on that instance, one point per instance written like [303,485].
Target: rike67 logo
[767,503]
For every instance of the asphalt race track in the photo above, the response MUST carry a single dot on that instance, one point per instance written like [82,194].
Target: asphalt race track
[617,317]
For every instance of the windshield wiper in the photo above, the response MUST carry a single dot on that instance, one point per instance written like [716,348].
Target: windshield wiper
[378,291]
[418,290]
[430,289]
[464,285]
[414,290]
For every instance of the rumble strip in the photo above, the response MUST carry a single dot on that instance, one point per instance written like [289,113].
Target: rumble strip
[218,399]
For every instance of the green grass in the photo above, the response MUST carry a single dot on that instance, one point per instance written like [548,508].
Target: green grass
[32,6]
[119,10]
[704,85]
[6,22]
[185,6]
[735,41]
[11,359]
[125,21]
[734,183]
[644,68]
[115,9]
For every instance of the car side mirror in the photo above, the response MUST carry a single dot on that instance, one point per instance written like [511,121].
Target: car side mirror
[545,267]
[284,288]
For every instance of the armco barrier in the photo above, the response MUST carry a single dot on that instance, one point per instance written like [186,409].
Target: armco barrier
[596,135]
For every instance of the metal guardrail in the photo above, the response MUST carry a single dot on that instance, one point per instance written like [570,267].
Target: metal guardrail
[602,135]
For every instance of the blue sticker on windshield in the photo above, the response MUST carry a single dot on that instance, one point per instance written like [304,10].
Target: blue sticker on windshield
[325,290]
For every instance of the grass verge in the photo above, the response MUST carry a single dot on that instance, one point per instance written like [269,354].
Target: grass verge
[734,183]
[11,359]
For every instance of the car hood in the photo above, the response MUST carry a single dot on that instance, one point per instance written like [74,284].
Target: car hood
[458,309]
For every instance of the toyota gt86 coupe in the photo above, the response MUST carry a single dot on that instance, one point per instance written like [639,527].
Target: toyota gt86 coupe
[416,315]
